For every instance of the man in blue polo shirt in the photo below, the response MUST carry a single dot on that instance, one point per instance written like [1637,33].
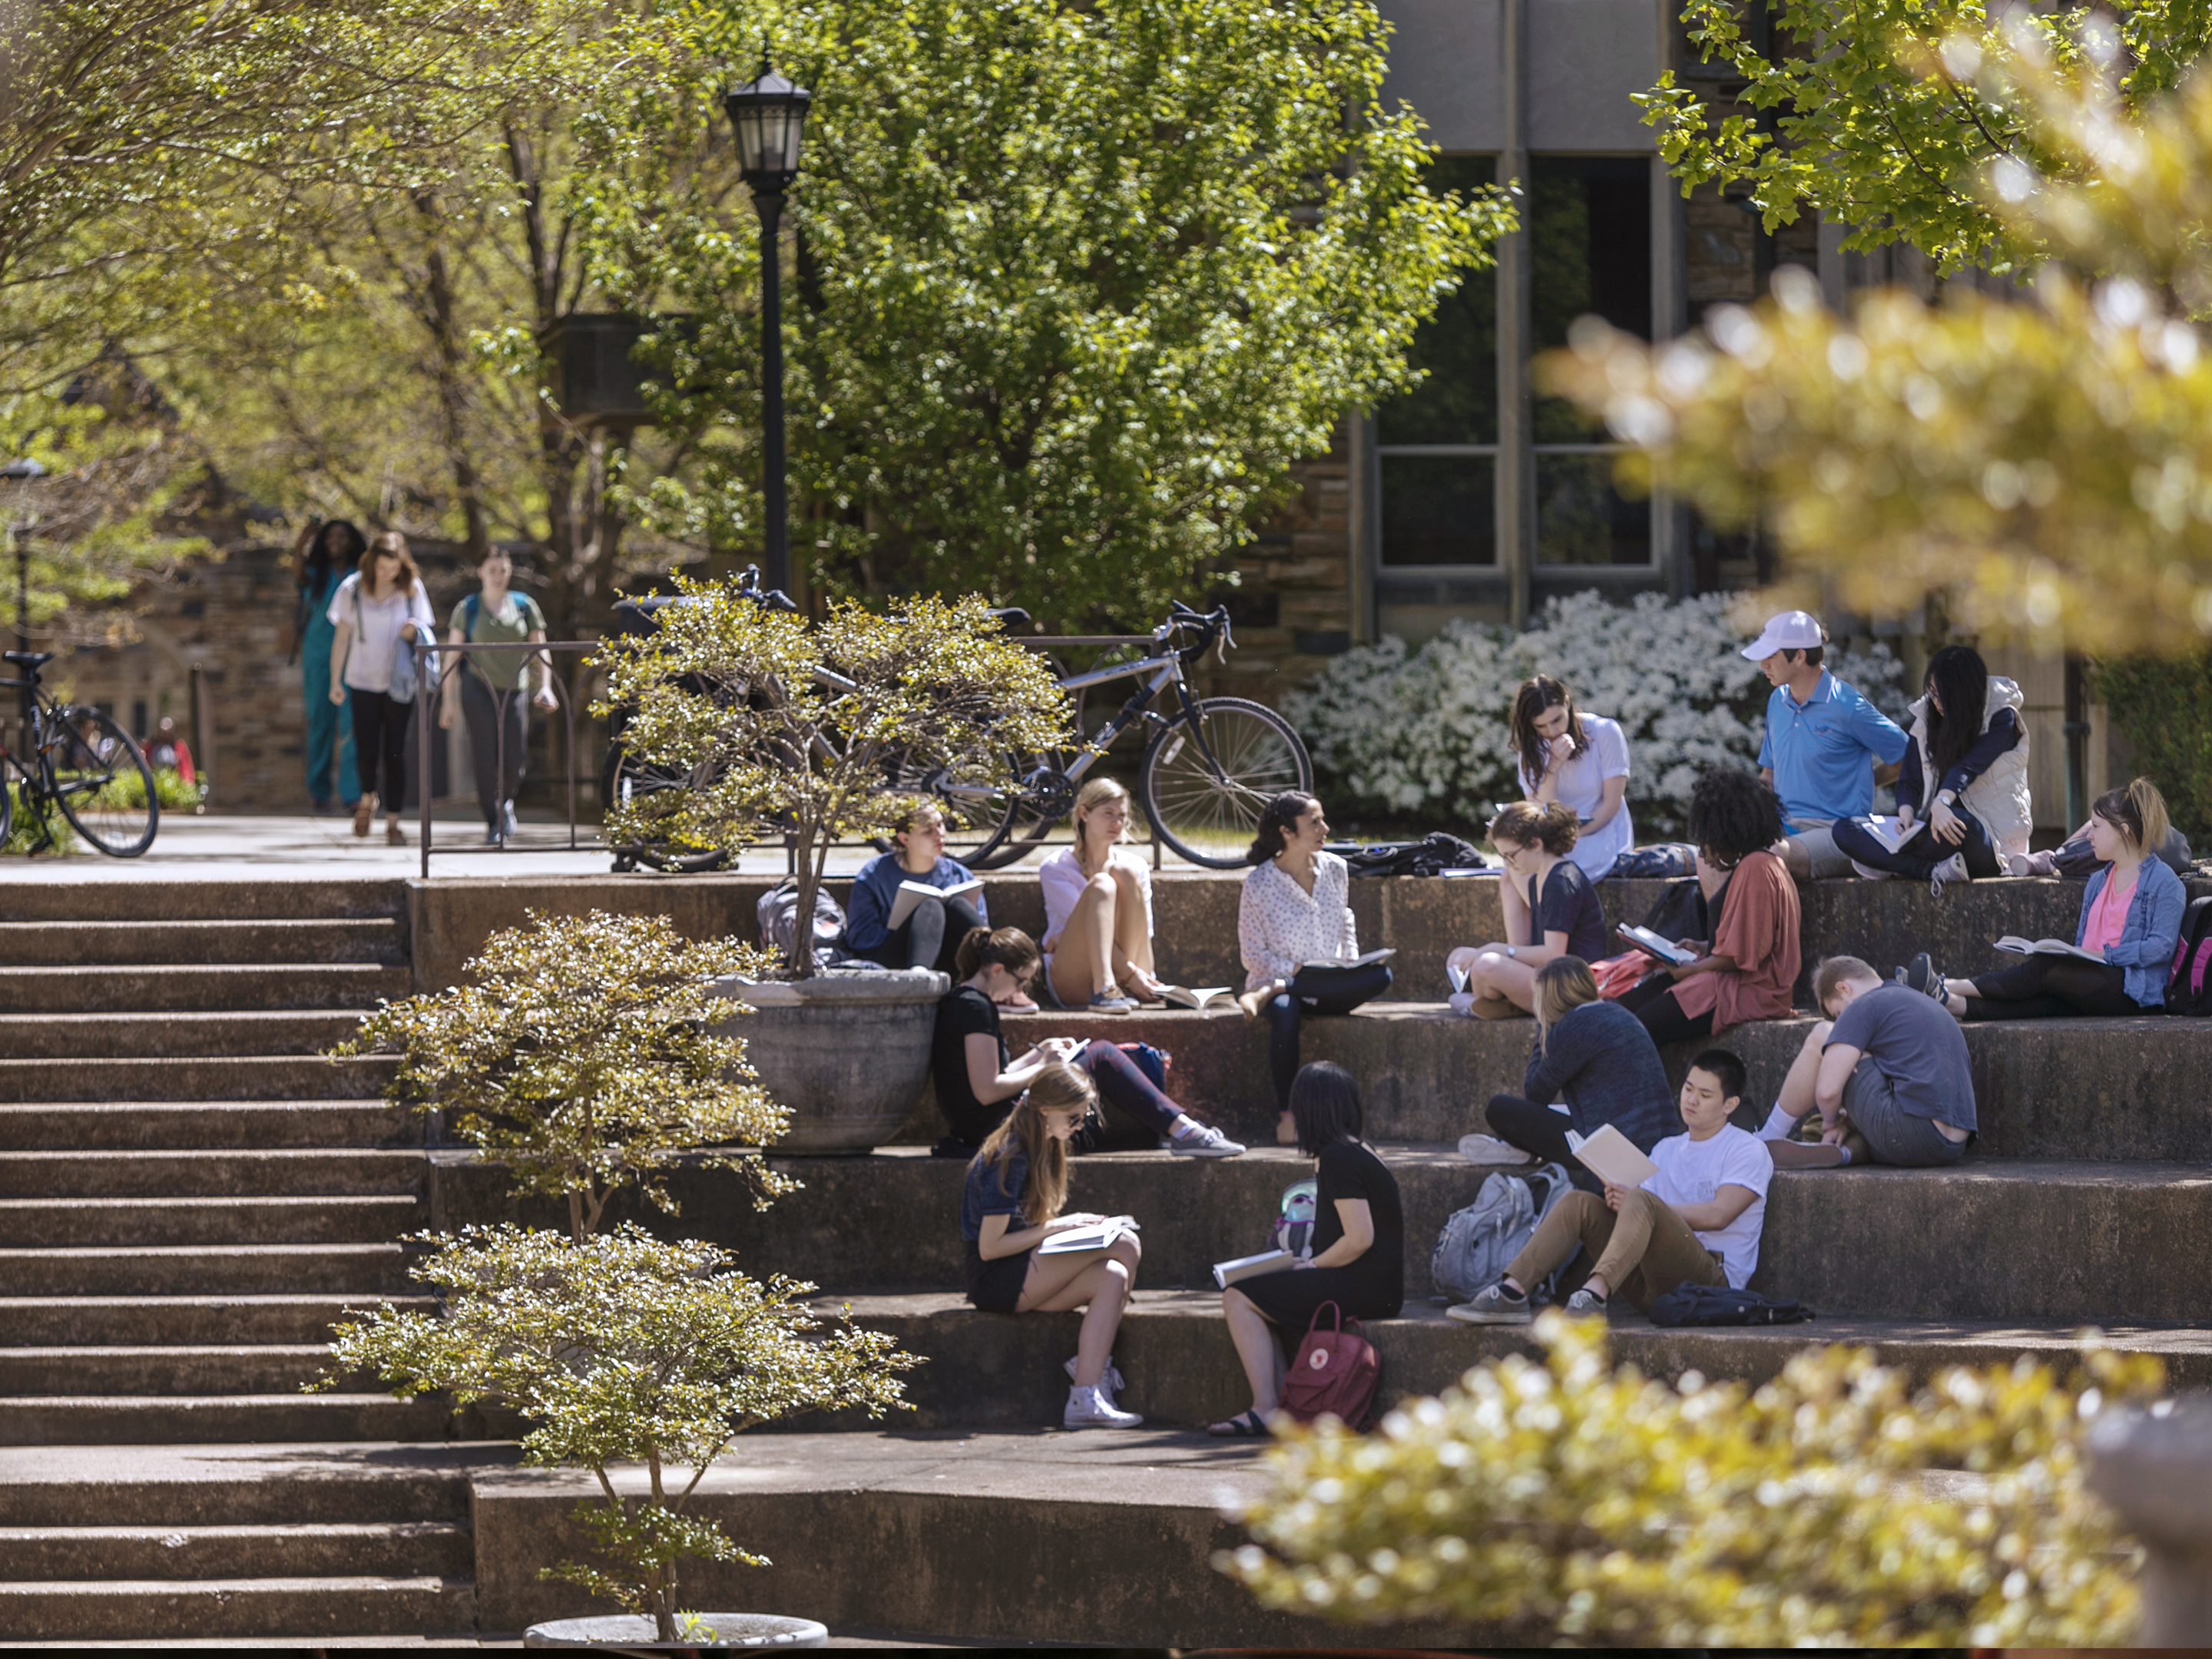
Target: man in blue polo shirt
[1823,744]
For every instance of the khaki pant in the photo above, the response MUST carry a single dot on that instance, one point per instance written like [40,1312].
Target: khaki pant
[1643,1253]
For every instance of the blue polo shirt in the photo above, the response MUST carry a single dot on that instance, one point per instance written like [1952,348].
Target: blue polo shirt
[1822,751]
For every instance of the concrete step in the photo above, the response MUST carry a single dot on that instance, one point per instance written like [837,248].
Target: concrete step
[173,1036]
[64,1612]
[347,1270]
[213,1369]
[146,1125]
[185,899]
[222,1419]
[287,1172]
[388,1549]
[118,1321]
[259,985]
[277,1484]
[346,1219]
[209,1078]
[396,1549]
[311,944]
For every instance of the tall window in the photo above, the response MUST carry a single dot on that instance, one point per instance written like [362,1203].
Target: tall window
[1589,221]
[1437,445]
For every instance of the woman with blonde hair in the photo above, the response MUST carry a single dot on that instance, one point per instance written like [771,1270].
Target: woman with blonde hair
[1593,1054]
[1098,911]
[1015,1186]
[373,610]
[1550,910]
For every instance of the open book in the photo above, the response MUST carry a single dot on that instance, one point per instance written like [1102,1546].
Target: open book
[2045,947]
[1612,1157]
[1457,975]
[1891,835]
[1100,1236]
[1652,945]
[1180,996]
[1383,955]
[1226,1274]
[911,893]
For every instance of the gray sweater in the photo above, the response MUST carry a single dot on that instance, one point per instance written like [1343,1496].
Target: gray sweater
[1601,1061]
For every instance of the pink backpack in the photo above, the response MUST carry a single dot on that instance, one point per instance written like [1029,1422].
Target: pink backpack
[1335,1374]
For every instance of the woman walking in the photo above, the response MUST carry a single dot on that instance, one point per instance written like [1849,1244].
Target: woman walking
[492,687]
[373,610]
[323,556]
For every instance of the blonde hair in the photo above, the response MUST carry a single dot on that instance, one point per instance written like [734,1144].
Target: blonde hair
[1058,1087]
[1089,798]
[392,542]
[1563,984]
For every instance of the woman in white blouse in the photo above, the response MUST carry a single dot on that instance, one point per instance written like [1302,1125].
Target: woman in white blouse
[1293,925]
[373,610]
[1098,911]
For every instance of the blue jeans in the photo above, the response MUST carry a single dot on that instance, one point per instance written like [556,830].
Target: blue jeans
[1317,991]
[1918,857]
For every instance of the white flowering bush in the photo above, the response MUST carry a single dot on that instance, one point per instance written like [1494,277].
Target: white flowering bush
[1422,733]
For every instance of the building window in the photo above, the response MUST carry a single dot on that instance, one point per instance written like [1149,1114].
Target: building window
[1437,445]
[1590,224]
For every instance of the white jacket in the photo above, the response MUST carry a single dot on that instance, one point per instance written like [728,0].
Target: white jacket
[1999,797]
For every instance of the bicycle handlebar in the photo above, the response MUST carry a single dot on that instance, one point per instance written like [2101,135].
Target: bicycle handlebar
[770,598]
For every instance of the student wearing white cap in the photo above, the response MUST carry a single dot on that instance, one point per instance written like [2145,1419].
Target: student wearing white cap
[1823,742]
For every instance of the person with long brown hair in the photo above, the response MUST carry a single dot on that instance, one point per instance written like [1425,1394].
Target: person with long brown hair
[1579,760]
[1550,910]
[374,610]
[1098,911]
[1016,1186]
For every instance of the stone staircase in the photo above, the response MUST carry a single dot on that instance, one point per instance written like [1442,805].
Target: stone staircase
[189,1197]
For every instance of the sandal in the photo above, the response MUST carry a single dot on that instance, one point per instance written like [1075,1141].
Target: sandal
[1247,1426]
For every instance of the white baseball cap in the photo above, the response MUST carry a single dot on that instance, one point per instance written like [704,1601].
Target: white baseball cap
[1792,631]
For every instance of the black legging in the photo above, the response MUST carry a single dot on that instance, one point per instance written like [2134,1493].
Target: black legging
[1919,856]
[1653,1003]
[2054,988]
[1136,1114]
[380,732]
[1540,1130]
[930,937]
[1331,991]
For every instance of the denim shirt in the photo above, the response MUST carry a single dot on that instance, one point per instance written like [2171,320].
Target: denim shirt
[2149,936]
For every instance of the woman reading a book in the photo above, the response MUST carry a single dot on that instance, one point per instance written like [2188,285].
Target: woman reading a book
[930,928]
[1098,911]
[2124,944]
[1551,911]
[1011,1203]
[1295,933]
[1748,969]
[1358,1259]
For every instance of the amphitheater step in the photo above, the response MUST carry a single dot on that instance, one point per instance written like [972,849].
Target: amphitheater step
[58,944]
[251,1368]
[330,1219]
[238,1608]
[159,1419]
[115,1320]
[291,1171]
[274,1483]
[346,1270]
[211,1077]
[397,1549]
[186,1126]
[261,986]
[140,903]
[171,1036]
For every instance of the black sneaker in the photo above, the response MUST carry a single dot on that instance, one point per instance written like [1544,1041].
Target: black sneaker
[1919,974]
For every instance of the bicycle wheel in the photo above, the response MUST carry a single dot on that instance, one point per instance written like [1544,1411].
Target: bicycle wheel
[977,816]
[7,807]
[102,783]
[1204,788]
[657,793]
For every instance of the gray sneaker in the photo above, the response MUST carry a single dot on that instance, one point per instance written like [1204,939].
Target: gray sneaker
[1112,1002]
[1584,1304]
[1493,1305]
[1204,1142]
[1952,869]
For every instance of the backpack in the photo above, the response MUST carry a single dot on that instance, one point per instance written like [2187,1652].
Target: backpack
[1716,1304]
[1152,1062]
[1431,855]
[1335,1373]
[1662,858]
[1476,1242]
[1294,1224]
[2188,987]
[778,915]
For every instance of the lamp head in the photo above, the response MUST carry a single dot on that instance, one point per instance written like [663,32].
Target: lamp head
[768,115]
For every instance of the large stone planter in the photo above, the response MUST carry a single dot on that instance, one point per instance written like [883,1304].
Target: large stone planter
[847,1053]
[635,1633]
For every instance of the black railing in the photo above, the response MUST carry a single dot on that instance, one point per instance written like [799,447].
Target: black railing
[430,690]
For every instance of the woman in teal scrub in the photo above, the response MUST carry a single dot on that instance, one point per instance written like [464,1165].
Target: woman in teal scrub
[323,556]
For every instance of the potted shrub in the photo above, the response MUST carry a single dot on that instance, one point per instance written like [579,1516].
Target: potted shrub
[800,731]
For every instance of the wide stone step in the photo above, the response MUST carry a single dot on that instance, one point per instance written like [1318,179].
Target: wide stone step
[163,1037]
[290,1171]
[241,1607]
[311,944]
[395,1549]
[119,1320]
[147,1124]
[168,901]
[344,1219]
[348,1270]
[202,988]
[301,1484]
[212,1078]
[231,1368]
[218,1419]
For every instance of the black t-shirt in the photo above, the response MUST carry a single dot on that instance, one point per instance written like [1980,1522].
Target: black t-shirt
[1569,905]
[966,1012]
[1351,1170]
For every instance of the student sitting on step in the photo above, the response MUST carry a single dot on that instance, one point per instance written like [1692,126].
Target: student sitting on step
[1098,911]
[975,1079]
[1015,1185]
[1592,1054]
[1579,759]
[1550,910]
[2130,922]
[1750,968]
[1888,1072]
[1358,1259]
[931,934]
[1695,1222]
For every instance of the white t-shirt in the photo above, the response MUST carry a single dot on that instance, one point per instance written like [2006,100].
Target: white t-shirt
[377,623]
[1061,878]
[1694,1172]
[1582,786]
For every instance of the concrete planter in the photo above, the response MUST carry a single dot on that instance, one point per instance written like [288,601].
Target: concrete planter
[635,1633]
[847,1052]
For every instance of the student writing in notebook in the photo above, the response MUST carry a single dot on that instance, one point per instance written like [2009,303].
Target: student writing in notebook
[931,936]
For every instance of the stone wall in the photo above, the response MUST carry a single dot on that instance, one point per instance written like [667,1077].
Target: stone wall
[1293,608]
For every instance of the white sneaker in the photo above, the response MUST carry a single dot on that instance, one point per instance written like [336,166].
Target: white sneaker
[1109,1385]
[1867,873]
[1952,869]
[1089,1408]
[1204,1142]
[1489,1149]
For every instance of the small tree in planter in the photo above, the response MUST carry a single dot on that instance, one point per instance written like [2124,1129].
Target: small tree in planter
[789,728]
[622,1348]
[576,1051]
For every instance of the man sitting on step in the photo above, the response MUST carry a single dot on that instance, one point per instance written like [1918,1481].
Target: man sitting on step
[1888,1070]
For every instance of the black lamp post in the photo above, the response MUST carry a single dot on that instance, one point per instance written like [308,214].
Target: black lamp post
[769,115]
[17,472]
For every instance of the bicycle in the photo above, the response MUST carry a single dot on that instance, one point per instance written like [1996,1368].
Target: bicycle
[83,762]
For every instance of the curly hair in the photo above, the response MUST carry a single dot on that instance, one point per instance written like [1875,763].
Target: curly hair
[1733,815]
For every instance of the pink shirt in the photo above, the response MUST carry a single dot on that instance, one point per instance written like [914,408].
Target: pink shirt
[2108,915]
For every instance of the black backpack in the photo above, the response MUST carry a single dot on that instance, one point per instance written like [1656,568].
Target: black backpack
[1431,855]
[2188,987]
[1717,1304]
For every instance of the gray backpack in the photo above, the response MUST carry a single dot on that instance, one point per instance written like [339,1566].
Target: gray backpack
[1476,1242]
[778,915]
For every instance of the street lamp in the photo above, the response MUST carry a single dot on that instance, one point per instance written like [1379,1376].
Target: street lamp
[20,471]
[769,115]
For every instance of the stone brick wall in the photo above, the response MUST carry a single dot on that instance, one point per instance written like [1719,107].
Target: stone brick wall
[1293,608]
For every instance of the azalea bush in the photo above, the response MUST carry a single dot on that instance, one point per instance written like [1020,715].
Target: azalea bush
[1421,731]
[1838,1505]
